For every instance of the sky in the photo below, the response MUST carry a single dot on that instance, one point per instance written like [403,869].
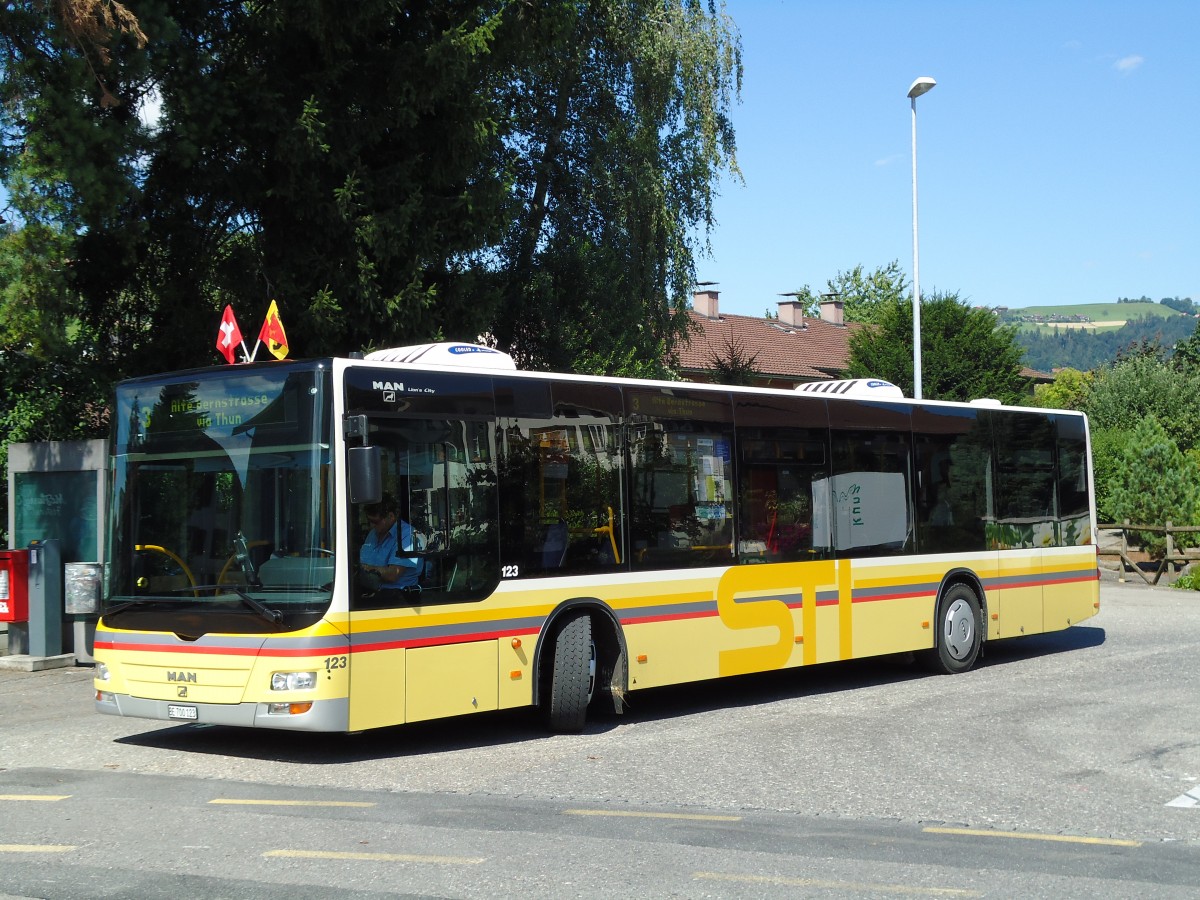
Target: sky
[1058,157]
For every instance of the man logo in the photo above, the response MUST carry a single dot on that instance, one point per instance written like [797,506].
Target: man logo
[181,691]
[189,677]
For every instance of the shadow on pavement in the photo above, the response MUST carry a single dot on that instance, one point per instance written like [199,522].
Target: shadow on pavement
[500,728]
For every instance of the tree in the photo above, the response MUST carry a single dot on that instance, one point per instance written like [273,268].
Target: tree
[1186,357]
[865,297]
[734,364]
[625,109]
[964,355]
[389,173]
[1069,390]
[1154,483]
[1180,304]
[1142,386]
[1108,447]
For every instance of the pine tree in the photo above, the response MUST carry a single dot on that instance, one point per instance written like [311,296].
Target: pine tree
[1154,483]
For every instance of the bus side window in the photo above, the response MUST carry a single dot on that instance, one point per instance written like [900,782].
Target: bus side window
[1074,511]
[870,489]
[782,474]
[1025,480]
[681,495]
[953,457]
[560,485]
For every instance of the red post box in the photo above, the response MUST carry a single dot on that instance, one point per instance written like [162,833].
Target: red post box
[14,585]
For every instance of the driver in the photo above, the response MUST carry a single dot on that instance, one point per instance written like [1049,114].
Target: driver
[389,536]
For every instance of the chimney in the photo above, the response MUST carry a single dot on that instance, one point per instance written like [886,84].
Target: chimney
[791,313]
[704,302]
[832,310]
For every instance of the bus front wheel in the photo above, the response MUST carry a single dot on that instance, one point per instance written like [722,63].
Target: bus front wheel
[572,677]
[960,632]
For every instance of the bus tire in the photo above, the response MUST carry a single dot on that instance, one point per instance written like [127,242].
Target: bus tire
[959,634]
[572,676]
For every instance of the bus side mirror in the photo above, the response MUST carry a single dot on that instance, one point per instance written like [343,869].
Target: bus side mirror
[366,482]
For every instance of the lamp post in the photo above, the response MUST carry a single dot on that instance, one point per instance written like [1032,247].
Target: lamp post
[921,86]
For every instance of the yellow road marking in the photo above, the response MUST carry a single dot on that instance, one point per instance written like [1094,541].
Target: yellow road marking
[615,813]
[239,802]
[49,798]
[36,848]
[377,857]
[865,886]
[1034,836]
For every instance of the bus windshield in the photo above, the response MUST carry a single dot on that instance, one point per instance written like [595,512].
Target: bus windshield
[222,500]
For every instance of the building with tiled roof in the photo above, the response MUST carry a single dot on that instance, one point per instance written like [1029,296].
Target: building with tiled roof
[784,352]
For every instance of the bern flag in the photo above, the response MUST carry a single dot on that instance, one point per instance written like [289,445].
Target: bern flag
[229,335]
[272,333]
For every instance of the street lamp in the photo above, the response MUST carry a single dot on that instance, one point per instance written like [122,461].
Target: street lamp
[921,86]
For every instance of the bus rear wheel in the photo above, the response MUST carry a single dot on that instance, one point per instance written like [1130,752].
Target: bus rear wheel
[960,632]
[572,676]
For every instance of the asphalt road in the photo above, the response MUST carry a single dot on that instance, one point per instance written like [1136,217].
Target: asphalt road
[1066,765]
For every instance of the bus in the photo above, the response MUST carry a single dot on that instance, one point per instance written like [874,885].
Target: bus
[576,538]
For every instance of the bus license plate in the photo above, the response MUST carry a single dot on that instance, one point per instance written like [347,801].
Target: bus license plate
[181,712]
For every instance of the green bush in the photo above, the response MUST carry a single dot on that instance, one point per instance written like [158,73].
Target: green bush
[1188,582]
[1108,445]
[1133,389]
[1154,483]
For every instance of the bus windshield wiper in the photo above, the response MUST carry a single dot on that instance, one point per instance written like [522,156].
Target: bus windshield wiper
[273,616]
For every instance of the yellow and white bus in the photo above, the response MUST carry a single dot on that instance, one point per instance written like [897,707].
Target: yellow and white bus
[579,539]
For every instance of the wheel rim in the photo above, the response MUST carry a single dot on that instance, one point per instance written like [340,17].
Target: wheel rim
[960,629]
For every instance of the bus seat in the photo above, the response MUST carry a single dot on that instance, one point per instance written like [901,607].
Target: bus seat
[554,548]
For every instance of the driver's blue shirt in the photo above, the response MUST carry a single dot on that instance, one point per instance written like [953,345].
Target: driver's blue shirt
[382,551]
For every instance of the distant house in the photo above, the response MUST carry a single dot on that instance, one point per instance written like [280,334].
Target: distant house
[786,351]
[783,352]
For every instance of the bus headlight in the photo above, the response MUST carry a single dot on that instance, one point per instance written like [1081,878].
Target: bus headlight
[100,673]
[293,681]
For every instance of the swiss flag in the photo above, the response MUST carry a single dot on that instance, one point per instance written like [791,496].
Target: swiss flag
[229,336]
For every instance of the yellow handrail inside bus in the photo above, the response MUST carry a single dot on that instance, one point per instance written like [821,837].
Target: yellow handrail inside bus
[171,554]
[612,536]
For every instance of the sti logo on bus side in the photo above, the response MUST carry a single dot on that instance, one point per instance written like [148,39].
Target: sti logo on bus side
[189,677]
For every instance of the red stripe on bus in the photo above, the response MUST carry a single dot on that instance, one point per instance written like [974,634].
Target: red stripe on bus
[265,650]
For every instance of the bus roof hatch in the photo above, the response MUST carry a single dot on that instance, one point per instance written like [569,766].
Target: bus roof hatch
[451,355]
[853,387]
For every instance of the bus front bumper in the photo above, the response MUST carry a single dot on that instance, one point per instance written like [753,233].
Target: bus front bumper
[321,715]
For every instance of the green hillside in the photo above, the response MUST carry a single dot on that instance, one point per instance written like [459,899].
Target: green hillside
[1088,316]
